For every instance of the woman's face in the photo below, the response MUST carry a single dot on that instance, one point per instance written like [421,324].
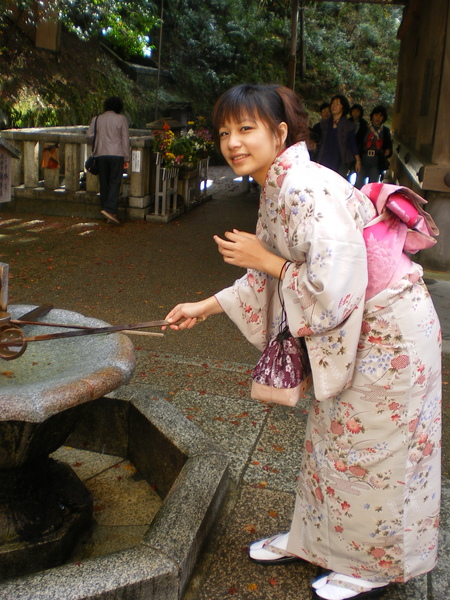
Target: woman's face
[356,114]
[336,108]
[377,119]
[250,147]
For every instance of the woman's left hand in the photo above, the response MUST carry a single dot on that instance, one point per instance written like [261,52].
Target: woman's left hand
[245,250]
[241,249]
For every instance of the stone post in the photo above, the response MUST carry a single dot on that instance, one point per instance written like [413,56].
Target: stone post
[31,163]
[72,170]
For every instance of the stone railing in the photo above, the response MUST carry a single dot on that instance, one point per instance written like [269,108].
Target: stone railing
[60,186]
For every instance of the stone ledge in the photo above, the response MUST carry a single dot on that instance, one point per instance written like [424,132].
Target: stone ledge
[160,567]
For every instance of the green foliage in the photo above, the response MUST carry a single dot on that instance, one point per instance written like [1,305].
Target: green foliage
[351,49]
[125,24]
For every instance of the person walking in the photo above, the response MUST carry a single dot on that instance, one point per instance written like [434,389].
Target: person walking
[112,152]
[367,499]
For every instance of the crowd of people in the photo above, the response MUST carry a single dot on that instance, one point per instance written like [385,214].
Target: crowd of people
[344,141]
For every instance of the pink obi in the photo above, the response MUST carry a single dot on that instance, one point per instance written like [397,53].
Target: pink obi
[401,225]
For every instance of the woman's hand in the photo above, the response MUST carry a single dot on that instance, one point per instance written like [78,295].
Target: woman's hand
[185,316]
[241,249]
[244,249]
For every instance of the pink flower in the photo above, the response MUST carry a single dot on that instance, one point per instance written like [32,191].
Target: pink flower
[345,506]
[365,327]
[330,491]
[340,466]
[336,428]
[393,405]
[318,494]
[309,446]
[400,362]
[357,471]
[385,564]
[338,528]
[377,552]
[413,424]
[428,449]
[375,340]
[354,426]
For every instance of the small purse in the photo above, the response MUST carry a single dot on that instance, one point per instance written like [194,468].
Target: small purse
[91,163]
[283,373]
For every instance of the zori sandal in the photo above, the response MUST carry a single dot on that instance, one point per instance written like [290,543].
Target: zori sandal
[261,551]
[334,586]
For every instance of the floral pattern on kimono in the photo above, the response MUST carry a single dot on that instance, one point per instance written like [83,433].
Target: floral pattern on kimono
[310,215]
[368,495]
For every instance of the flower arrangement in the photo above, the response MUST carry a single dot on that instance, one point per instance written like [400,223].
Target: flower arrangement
[191,147]
[200,137]
[164,141]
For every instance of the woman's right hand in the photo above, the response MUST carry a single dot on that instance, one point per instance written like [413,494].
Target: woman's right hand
[188,314]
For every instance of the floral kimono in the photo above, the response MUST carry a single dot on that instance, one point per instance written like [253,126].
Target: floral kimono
[367,502]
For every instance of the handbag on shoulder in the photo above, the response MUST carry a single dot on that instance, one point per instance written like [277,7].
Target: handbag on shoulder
[283,373]
[91,163]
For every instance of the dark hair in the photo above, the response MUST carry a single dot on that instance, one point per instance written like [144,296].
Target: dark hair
[358,107]
[379,110]
[271,103]
[113,103]
[345,103]
[323,106]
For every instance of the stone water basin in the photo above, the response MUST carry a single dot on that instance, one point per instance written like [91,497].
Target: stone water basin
[44,507]
[41,390]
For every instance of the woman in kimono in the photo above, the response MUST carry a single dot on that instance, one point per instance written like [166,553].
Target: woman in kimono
[367,502]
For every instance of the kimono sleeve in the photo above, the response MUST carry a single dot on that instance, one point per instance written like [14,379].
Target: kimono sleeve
[324,298]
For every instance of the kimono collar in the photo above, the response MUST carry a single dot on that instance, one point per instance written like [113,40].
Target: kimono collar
[293,155]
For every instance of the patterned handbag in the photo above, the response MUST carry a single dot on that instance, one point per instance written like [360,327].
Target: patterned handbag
[283,373]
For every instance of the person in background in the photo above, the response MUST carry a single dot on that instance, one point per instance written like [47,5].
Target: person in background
[368,491]
[338,148]
[315,134]
[361,126]
[112,153]
[376,148]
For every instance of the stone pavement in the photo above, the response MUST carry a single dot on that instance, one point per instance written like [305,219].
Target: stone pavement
[137,272]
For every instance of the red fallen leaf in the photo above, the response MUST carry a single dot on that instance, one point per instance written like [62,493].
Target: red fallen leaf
[277,448]
[252,587]
[255,462]
[219,419]
[190,417]
[154,487]
[262,484]
[232,590]
[202,392]
[77,464]
[273,581]
[249,528]
[235,422]
[244,414]
[8,374]
[98,508]
[119,477]
[272,513]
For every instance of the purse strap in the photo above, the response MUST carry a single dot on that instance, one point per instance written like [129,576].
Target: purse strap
[283,322]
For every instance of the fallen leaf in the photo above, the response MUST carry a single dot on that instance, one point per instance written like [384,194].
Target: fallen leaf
[252,587]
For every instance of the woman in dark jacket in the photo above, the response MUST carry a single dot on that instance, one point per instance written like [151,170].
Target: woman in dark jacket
[338,148]
[376,149]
